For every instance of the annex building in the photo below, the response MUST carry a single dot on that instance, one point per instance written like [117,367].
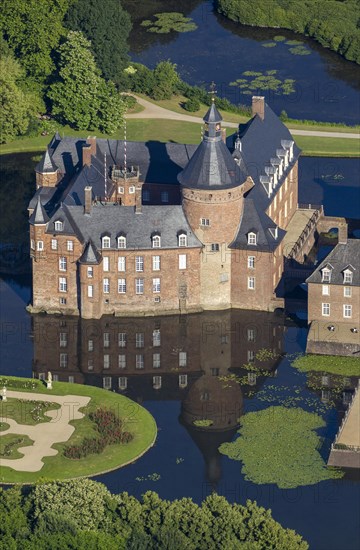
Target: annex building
[133,228]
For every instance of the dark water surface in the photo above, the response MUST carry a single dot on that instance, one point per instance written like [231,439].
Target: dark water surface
[327,86]
[216,344]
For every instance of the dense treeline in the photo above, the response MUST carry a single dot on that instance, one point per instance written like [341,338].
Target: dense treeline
[83,514]
[335,24]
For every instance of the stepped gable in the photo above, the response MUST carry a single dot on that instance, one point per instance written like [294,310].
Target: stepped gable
[253,220]
[343,256]
[113,220]
[261,139]
[90,255]
[39,216]
[212,165]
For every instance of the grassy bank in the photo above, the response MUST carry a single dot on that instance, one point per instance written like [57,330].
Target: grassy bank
[137,420]
[183,132]
[346,366]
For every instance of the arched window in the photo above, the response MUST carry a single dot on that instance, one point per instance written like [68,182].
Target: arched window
[326,275]
[156,241]
[182,239]
[252,238]
[106,242]
[59,226]
[122,241]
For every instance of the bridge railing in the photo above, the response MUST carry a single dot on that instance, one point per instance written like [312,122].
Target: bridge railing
[339,446]
[303,206]
[305,232]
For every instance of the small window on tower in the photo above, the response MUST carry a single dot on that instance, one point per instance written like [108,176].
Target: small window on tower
[132,189]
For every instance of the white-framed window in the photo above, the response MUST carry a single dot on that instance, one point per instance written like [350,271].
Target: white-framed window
[156,263]
[106,263]
[182,358]
[120,189]
[90,272]
[156,285]
[251,355]
[215,247]
[325,309]
[63,340]
[139,340]
[107,382]
[106,339]
[59,226]
[156,360]
[326,290]
[121,242]
[121,263]
[106,286]
[326,275]
[62,284]
[252,238]
[90,344]
[121,286]
[122,339]
[139,286]
[90,291]
[156,337]
[132,189]
[139,361]
[62,263]
[106,361]
[139,263]
[347,311]
[146,195]
[182,239]
[105,242]
[62,301]
[122,382]
[164,196]
[69,246]
[40,246]
[90,364]
[32,244]
[156,241]
[348,276]
[183,380]
[251,334]
[122,361]
[54,244]
[347,291]
[63,360]
[251,262]
[156,382]
[204,222]
[251,283]
[182,261]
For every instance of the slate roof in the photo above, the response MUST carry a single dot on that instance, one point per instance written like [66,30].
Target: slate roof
[253,220]
[39,216]
[340,258]
[90,254]
[138,227]
[47,163]
[212,114]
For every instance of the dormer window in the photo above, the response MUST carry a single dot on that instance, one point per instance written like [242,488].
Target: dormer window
[326,275]
[182,239]
[121,242]
[252,238]
[106,242]
[59,226]
[348,276]
[156,241]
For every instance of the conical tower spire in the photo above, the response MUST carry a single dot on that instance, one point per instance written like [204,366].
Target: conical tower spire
[39,216]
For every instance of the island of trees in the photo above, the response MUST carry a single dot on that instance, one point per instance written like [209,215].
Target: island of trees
[335,24]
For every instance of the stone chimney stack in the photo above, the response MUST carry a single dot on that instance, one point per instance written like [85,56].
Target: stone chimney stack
[88,150]
[258,106]
[88,199]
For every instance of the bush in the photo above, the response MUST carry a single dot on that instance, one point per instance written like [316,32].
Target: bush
[192,105]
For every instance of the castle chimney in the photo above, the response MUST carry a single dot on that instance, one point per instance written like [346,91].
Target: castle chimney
[88,199]
[223,135]
[88,150]
[258,106]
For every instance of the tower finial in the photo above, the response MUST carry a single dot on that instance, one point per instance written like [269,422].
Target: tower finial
[125,159]
[105,176]
[213,91]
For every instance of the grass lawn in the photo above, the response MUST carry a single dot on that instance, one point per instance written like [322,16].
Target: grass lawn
[137,420]
[25,411]
[10,443]
[331,364]
[183,132]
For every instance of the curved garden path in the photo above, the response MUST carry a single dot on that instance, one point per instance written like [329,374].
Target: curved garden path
[151,110]
[44,434]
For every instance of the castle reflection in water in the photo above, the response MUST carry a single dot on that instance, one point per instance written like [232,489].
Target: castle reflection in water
[162,358]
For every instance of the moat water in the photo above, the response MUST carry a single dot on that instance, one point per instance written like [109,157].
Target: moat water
[216,344]
[326,85]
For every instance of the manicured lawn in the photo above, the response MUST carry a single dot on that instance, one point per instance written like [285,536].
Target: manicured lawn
[331,364]
[10,443]
[137,420]
[328,147]
[25,411]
